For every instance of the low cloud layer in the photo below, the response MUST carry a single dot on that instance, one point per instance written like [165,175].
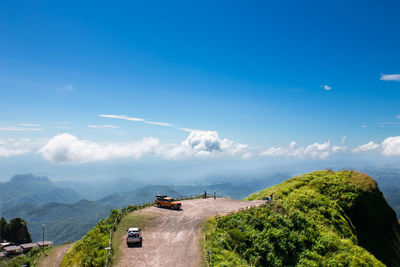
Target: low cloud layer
[370,146]
[316,150]
[16,147]
[67,148]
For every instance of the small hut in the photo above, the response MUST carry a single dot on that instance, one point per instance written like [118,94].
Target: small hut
[44,244]
[28,246]
[11,250]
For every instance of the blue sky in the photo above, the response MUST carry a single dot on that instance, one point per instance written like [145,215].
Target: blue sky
[253,74]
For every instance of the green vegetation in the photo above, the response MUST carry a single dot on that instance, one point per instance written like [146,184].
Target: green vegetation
[317,219]
[29,259]
[90,250]
[130,220]
[16,231]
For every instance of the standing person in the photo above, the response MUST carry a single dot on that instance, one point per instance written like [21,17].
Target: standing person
[205,194]
[215,195]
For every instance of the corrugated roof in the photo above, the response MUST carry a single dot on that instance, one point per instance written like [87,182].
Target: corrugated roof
[29,245]
[12,248]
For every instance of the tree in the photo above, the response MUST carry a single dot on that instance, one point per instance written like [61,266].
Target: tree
[4,229]
[19,231]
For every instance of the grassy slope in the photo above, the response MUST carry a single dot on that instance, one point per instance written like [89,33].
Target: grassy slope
[316,218]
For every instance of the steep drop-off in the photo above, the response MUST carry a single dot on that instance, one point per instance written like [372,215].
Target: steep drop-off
[320,218]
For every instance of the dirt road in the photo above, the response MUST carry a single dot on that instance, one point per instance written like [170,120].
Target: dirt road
[173,239]
[55,256]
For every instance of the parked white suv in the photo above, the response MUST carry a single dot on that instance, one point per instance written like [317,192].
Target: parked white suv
[133,236]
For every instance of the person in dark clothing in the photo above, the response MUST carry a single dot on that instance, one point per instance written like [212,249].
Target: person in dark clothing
[205,194]
[215,195]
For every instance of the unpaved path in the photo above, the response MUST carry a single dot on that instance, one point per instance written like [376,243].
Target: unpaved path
[55,256]
[173,238]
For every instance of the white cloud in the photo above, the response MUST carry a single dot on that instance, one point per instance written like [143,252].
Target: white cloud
[391,146]
[11,128]
[29,125]
[122,117]
[203,144]
[103,127]
[67,148]
[159,123]
[326,87]
[15,147]
[398,116]
[390,77]
[370,146]
[316,150]
[364,126]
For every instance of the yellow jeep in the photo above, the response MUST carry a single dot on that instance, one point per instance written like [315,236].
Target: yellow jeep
[167,202]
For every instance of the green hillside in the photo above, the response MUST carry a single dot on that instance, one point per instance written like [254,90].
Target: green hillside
[317,219]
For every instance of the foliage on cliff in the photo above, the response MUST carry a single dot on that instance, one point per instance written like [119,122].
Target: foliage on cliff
[321,218]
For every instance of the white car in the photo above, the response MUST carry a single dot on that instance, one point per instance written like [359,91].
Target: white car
[133,236]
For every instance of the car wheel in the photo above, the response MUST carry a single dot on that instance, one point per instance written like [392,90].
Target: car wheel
[172,207]
[140,243]
[158,205]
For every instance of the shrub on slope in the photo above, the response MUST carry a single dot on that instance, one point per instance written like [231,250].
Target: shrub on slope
[315,219]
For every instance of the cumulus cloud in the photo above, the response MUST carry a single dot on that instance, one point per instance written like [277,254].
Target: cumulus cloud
[316,150]
[370,146]
[326,87]
[203,144]
[390,77]
[391,146]
[67,148]
[103,127]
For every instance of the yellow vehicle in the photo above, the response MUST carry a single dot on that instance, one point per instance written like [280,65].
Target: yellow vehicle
[167,202]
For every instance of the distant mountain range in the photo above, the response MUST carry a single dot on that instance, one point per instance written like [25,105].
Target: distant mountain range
[26,188]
